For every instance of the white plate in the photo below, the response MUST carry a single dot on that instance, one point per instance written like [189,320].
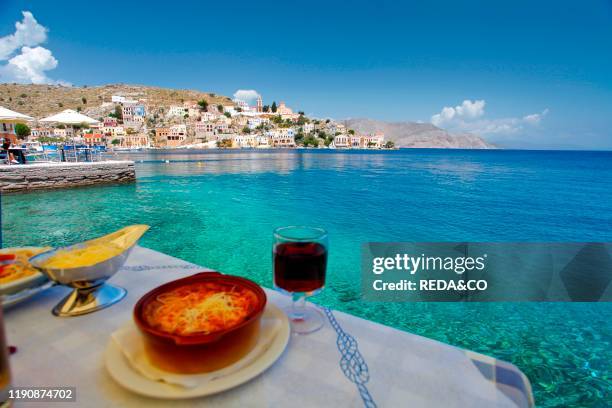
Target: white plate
[16,298]
[18,285]
[30,281]
[121,371]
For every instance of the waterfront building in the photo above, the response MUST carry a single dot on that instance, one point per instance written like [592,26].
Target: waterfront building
[65,133]
[262,142]
[171,136]
[135,140]
[161,135]
[342,141]
[94,139]
[114,131]
[373,141]
[282,137]
[41,132]
[245,140]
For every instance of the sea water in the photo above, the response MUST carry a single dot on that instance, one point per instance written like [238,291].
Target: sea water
[218,209]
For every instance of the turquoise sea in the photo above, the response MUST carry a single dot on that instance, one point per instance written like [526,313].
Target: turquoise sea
[218,209]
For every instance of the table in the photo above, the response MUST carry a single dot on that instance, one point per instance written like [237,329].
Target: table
[351,362]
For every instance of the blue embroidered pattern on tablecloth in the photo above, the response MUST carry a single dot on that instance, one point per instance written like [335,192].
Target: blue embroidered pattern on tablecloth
[139,268]
[352,362]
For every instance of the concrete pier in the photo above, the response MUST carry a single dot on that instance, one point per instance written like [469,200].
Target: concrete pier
[38,176]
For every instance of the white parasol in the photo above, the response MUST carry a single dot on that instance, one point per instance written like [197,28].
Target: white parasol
[7,115]
[70,117]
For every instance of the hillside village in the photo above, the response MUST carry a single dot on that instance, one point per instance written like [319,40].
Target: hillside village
[126,121]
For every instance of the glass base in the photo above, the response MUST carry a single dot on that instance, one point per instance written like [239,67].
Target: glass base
[308,321]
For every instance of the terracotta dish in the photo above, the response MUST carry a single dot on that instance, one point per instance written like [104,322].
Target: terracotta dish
[200,323]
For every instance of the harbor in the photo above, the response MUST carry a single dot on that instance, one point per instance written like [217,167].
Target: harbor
[50,175]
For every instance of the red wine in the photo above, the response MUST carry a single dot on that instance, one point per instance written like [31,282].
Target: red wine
[300,266]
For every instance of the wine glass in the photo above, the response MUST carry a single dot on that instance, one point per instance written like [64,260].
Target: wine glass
[300,261]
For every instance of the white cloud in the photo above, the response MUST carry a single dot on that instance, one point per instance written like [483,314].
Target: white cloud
[469,117]
[246,95]
[467,110]
[31,61]
[29,66]
[27,33]
[535,118]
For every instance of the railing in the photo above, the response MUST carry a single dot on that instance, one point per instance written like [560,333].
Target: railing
[76,153]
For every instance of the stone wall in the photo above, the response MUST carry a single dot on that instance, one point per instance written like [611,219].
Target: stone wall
[37,176]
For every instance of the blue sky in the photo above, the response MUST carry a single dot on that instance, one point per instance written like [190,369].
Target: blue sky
[533,74]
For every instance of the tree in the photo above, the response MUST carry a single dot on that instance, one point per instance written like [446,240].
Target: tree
[22,130]
[119,113]
[390,144]
[246,130]
[47,140]
[311,140]
[203,104]
[224,143]
[266,108]
[274,107]
[227,114]
[220,108]
[115,142]
[84,100]
[351,132]
[299,138]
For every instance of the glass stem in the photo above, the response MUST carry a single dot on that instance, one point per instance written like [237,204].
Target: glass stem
[298,306]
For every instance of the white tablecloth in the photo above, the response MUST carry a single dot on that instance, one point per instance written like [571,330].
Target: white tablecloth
[351,362]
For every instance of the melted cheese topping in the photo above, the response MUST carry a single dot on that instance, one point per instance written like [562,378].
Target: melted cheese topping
[201,308]
[85,256]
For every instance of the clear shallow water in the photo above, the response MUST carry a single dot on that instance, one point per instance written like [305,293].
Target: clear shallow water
[218,209]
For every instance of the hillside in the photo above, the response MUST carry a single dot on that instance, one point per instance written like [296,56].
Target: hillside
[43,100]
[418,135]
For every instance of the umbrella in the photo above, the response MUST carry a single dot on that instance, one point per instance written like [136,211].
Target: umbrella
[7,115]
[70,117]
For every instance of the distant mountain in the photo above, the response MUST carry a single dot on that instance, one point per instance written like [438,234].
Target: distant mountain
[418,135]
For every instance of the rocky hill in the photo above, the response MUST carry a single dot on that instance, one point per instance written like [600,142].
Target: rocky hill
[43,100]
[418,135]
